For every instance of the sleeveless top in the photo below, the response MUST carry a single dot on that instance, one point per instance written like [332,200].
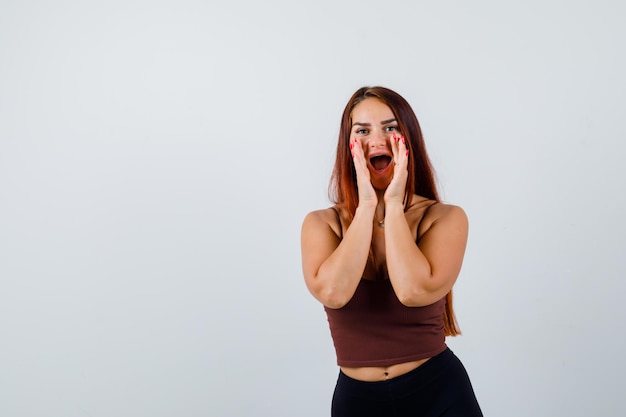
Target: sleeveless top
[375,329]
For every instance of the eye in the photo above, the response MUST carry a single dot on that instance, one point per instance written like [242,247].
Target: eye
[361,131]
[391,129]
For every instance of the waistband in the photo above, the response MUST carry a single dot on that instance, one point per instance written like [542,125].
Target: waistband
[405,383]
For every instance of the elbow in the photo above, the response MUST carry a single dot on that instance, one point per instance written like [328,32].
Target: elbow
[420,296]
[333,299]
[330,293]
[334,306]
[414,299]
[331,296]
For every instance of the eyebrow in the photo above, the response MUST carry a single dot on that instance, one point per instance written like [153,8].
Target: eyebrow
[384,122]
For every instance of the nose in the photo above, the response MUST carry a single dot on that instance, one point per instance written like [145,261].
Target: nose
[378,140]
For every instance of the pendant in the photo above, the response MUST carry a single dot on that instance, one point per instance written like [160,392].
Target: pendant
[381,223]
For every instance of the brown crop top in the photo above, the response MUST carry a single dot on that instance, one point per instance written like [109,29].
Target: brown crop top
[376,329]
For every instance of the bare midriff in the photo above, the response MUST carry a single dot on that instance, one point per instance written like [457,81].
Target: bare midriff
[381,373]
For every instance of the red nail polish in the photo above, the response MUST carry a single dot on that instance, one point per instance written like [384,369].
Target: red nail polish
[407,152]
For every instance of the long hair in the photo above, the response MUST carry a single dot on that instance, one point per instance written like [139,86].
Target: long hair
[421,174]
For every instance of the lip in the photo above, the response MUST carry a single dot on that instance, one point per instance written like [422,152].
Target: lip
[375,154]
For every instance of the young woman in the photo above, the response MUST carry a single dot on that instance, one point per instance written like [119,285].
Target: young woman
[383,261]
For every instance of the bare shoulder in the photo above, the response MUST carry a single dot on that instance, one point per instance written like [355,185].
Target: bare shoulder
[325,218]
[326,215]
[441,211]
[443,214]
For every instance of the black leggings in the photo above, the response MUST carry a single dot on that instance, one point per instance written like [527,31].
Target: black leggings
[439,387]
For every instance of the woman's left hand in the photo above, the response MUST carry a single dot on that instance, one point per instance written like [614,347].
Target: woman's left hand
[396,190]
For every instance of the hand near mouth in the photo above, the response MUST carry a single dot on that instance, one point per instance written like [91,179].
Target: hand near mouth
[367,194]
[397,187]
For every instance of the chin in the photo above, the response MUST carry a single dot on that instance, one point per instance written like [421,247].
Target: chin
[380,185]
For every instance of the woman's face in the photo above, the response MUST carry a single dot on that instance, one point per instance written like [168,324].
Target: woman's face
[374,124]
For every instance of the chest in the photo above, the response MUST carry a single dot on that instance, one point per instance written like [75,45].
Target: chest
[376,268]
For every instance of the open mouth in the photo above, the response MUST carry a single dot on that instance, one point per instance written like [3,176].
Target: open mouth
[380,162]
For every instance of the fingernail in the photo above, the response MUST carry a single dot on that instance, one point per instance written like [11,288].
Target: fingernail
[407,152]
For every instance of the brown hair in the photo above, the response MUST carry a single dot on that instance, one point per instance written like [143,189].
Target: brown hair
[421,175]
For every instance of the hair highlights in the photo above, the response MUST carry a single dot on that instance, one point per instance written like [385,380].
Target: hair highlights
[421,175]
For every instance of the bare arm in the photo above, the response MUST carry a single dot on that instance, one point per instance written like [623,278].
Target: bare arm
[422,274]
[333,268]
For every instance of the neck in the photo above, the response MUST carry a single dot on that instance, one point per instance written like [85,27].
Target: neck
[379,216]
[380,210]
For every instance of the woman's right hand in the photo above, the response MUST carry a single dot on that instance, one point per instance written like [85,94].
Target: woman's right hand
[333,266]
[367,194]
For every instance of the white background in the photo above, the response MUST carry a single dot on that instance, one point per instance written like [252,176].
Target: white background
[157,159]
